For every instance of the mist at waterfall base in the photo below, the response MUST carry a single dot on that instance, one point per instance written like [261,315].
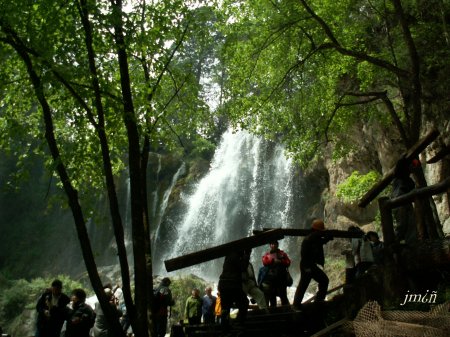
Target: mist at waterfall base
[250,185]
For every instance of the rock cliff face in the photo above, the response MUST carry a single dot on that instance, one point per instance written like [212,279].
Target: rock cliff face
[376,148]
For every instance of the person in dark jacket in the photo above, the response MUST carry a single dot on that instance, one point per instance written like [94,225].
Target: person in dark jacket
[405,222]
[164,299]
[51,308]
[311,257]
[81,317]
[230,286]
[377,248]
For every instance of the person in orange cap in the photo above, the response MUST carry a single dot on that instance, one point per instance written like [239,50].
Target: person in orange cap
[311,257]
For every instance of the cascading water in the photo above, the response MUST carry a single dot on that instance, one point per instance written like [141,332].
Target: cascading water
[165,200]
[249,186]
[154,208]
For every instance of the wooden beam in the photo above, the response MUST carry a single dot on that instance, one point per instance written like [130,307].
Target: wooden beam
[443,186]
[445,151]
[325,331]
[309,300]
[222,250]
[412,153]
[335,233]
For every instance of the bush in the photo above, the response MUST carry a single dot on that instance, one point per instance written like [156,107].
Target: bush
[181,290]
[356,185]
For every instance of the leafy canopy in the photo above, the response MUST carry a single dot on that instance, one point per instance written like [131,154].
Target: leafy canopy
[289,79]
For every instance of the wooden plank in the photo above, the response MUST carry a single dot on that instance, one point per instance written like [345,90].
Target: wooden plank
[335,233]
[309,300]
[442,187]
[222,250]
[445,151]
[329,328]
[412,153]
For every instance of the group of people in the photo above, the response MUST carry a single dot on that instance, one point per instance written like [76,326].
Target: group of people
[207,308]
[366,251]
[58,312]
[53,311]
[237,283]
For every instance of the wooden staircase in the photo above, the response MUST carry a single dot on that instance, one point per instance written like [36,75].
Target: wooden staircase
[282,321]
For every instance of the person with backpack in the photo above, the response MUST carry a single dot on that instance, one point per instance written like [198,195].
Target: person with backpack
[81,317]
[275,280]
[230,287]
[163,299]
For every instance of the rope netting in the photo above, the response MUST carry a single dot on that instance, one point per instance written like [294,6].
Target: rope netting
[372,322]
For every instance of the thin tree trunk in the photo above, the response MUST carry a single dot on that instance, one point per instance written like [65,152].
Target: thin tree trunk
[112,195]
[71,192]
[143,282]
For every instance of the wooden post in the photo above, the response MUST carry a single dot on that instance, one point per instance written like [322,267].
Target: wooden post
[387,225]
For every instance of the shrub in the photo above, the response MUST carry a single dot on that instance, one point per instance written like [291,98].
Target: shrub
[356,185]
[181,290]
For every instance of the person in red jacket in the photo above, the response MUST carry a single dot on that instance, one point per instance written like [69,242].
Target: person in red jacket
[277,262]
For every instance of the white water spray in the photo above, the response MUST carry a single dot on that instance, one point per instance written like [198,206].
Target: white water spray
[249,186]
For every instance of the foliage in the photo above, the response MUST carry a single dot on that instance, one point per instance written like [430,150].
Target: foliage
[343,62]
[356,185]
[181,289]
[203,148]
[115,83]
[335,269]
[104,84]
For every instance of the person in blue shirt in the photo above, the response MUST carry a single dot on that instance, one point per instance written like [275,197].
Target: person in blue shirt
[208,306]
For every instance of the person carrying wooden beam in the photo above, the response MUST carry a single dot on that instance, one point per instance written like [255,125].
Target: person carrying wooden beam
[312,257]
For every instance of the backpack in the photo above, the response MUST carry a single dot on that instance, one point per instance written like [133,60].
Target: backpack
[262,273]
[157,298]
[161,299]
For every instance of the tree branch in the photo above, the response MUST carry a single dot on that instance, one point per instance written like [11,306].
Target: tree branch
[352,53]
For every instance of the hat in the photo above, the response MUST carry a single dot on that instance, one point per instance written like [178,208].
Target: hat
[318,225]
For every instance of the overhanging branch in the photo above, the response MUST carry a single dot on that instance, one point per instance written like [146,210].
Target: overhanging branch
[353,53]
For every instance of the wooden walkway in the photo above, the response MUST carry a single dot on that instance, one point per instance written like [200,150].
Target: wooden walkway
[282,321]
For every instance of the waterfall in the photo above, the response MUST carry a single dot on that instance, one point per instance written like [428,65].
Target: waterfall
[165,200]
[155,192]
[249,186]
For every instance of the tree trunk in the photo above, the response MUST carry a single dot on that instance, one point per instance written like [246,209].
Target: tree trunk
[110,314]
[142,279]
[71,192]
